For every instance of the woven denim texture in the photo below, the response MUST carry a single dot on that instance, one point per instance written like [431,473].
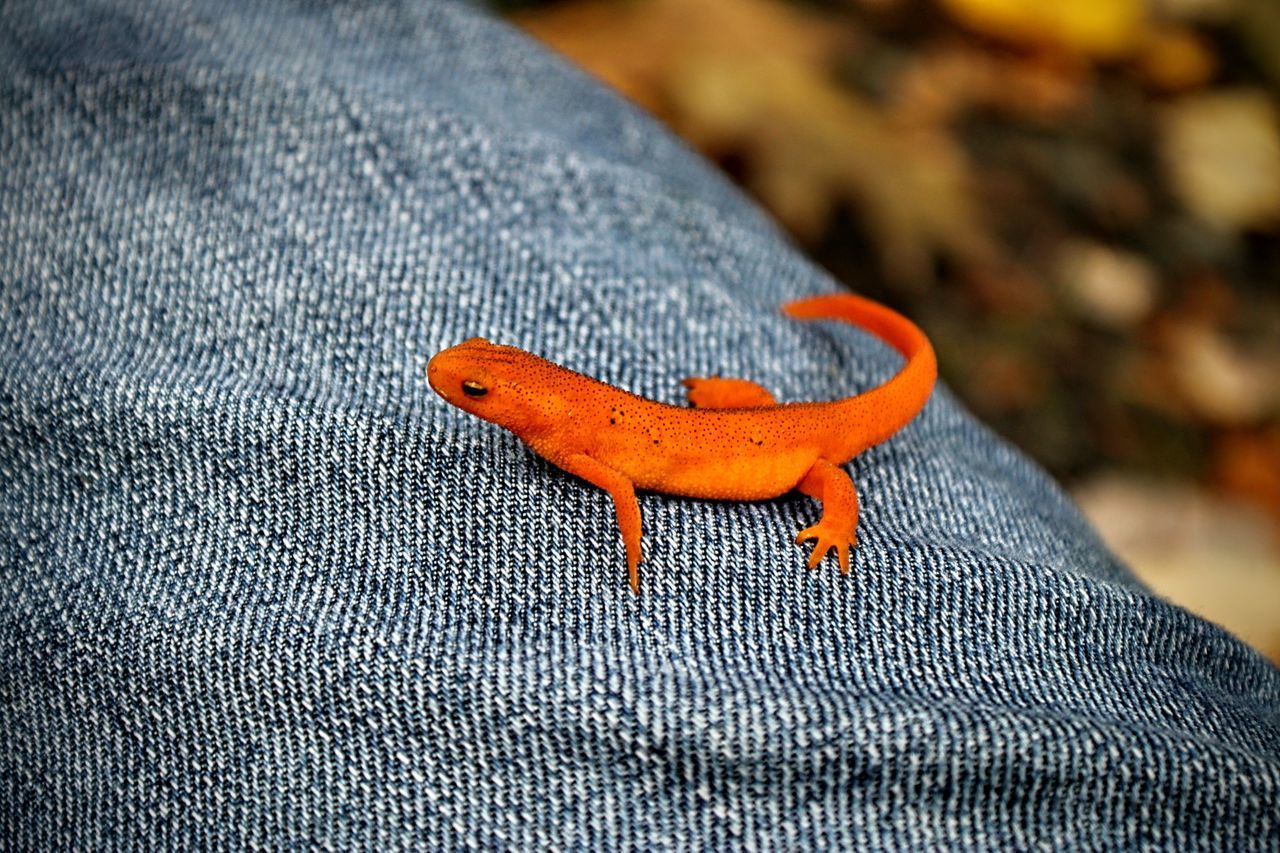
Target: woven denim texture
[261,588]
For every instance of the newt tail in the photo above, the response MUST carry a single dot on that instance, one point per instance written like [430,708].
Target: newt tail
[877,414]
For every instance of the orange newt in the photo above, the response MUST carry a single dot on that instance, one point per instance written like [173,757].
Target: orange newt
[736,443]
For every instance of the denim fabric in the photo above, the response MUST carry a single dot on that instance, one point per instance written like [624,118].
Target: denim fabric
[260,587]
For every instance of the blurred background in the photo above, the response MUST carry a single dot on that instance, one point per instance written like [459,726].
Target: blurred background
[1079,201]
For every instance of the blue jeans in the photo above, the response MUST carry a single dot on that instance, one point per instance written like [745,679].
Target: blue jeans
[261,587]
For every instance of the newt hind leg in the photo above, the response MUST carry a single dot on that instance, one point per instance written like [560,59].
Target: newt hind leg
[838,526]
[716,392]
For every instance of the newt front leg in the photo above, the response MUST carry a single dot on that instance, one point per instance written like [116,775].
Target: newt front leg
[625,504]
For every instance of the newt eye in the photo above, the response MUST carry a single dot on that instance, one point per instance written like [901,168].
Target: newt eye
[472,388]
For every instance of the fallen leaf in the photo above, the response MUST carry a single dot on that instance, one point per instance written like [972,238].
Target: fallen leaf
[1247,464]
[1176,59]
[1222,157]
[750,81]
[945,82]
[1093,28]
[1219,381]
[1106,285]
[1218,558]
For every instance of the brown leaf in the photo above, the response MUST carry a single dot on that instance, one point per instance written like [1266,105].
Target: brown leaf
[1247,464]
[1222,155]
[1176,59]
[1219,381]
[750,80]
[1106,285]
[1218,558]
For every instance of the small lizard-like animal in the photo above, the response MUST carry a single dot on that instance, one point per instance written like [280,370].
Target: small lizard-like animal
[736,443]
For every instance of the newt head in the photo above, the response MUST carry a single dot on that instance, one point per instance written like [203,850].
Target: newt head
[464,375]
[490,381]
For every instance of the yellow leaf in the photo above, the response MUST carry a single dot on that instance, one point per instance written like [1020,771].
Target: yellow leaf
[1096,28]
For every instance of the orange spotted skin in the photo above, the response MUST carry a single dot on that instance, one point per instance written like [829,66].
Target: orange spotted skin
[736,443]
